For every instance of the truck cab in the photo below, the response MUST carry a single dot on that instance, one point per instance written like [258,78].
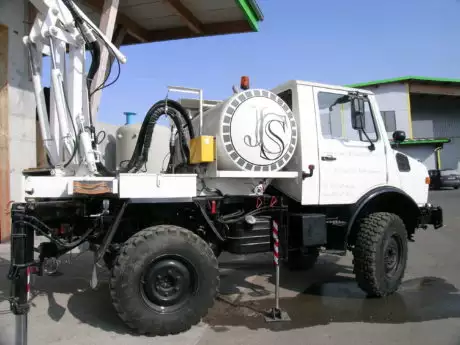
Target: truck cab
[347,154]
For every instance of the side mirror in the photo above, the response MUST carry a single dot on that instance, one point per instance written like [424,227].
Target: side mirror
[357,113]
[399,136]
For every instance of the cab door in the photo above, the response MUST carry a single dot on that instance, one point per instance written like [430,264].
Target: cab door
[350,164]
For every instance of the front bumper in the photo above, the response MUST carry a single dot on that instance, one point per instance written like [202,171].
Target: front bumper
[431,215]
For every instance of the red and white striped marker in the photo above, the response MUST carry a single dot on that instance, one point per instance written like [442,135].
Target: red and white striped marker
[276,243]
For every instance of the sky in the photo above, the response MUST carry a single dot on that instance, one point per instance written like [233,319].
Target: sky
[327,41]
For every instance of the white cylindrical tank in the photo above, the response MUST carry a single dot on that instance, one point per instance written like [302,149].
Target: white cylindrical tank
[159,148]
[254,129]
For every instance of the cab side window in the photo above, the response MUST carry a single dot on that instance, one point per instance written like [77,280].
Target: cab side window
[335,115]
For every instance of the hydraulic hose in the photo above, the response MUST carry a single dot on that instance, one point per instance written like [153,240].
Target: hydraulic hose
[148,139]
[183,112]
[239,218]
[140,154]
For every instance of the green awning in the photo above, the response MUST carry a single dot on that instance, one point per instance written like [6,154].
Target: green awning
[424,141]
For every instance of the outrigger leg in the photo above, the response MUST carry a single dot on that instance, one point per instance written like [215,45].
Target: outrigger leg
[276,314]
[22,261]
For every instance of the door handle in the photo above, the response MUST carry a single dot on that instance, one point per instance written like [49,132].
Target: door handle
[328,158]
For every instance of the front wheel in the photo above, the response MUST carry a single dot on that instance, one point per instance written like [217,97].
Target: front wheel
[380,254]
[164,280]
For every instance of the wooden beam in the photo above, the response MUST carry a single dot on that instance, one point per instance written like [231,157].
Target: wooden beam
[5,226]
[134,29]
[118,38]
[214,29]
[107,26]
[187,16]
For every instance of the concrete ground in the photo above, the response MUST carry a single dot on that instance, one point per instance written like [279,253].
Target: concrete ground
[325,305]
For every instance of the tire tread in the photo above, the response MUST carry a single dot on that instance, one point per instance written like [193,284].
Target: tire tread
[163,233]
[371,230]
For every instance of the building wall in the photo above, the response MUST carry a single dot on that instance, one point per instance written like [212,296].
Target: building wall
[423,153]
[4,133]
[21,104]
[435,116]
[393,97]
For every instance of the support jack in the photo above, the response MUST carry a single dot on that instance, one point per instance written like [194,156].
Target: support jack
[22,249]
[276,314]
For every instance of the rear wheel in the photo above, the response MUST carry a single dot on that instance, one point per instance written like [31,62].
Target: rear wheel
[164,280]
[380,254]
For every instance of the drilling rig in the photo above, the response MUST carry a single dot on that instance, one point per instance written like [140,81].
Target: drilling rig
[262,171]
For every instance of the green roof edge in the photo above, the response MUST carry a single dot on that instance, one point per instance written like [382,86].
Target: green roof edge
[256,8]
[424,141]
[405,79]
[252,12]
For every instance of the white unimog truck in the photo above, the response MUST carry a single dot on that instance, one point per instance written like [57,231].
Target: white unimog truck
[309,163]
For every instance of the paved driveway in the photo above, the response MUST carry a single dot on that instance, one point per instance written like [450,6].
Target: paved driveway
[325,305]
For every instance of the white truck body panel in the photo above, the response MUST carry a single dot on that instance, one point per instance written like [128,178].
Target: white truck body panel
[151,187]
[356,170]
[413,181]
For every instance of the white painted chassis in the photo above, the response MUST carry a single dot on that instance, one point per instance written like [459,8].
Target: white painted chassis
[137,186]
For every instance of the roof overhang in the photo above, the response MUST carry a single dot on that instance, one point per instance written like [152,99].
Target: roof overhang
[419,85]
[409,79]
[163,20]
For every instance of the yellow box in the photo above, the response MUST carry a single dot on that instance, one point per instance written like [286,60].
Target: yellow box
[202,149]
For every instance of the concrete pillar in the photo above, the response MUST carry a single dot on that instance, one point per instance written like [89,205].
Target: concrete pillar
[20,134]
[4,134]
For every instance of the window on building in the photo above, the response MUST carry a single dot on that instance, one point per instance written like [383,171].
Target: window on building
[389,119]
[336,119]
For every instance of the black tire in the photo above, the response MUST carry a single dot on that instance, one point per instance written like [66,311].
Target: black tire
[216,249]
[164,280]
[300,260]
[380,234]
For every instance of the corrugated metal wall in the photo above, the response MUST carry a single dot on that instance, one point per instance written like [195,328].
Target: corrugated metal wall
[435,116]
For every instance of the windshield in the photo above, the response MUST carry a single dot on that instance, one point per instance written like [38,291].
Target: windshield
[335,117]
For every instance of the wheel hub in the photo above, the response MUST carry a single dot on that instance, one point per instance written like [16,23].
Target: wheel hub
[392,256]
[167,283]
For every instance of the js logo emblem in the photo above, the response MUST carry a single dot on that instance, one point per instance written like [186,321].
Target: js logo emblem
[268,133]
